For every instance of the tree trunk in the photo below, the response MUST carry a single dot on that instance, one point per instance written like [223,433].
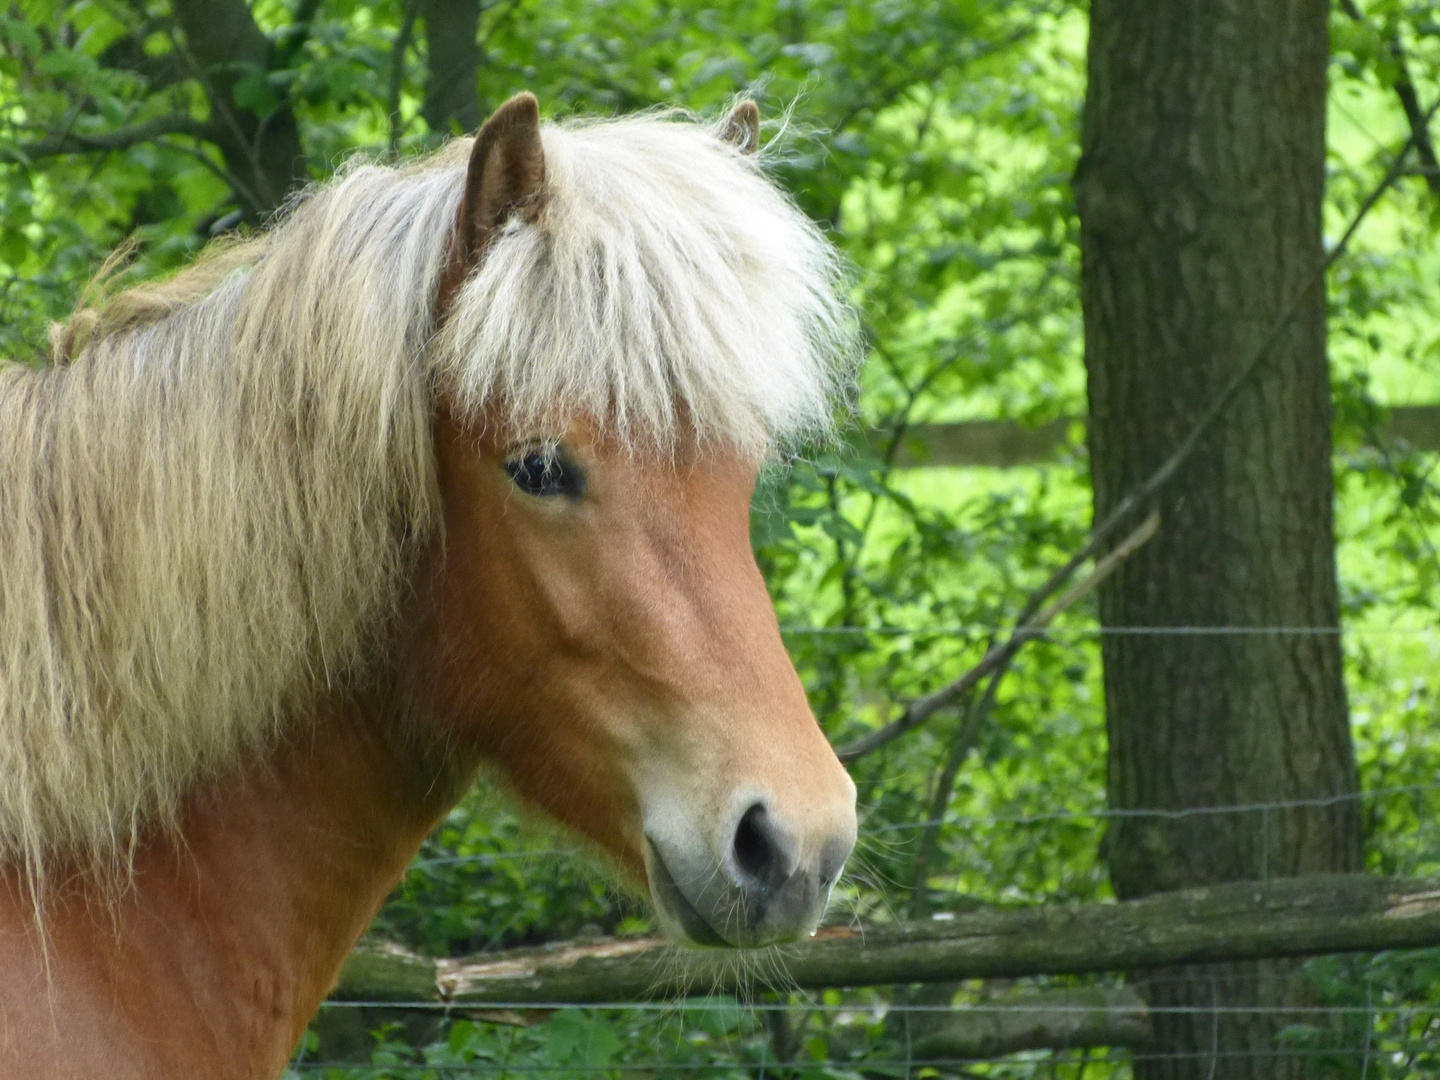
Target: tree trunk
[1200,190]
[452,100]
[262,151]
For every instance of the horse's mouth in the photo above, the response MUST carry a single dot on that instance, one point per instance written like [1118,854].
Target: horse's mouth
[669,895]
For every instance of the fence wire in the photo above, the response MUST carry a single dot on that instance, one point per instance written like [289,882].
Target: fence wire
[1347,1018]
[1381,1021]
[1098,815]
[985,630]
[893,1039]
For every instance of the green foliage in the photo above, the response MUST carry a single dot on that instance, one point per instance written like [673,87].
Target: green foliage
[1382,1004]
[489,878]
[935,140]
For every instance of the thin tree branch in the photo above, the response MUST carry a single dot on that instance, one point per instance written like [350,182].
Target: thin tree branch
[127,53]
[1415,116]
[922,708]
[1033,620]
[242,190]
[121,138]
[1419,125]
[979,713]
[964,741]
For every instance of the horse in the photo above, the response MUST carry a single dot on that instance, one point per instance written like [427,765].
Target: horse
[451,465]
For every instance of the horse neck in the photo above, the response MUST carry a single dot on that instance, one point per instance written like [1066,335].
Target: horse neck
[212,962]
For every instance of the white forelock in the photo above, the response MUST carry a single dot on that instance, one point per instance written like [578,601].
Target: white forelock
[666,278]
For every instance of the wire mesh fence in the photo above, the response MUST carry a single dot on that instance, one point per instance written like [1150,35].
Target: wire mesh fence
[877,1036]
[1366,1016]
[1346,1016]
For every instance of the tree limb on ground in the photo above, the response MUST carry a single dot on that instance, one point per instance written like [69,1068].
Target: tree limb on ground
[1050,1020]
[1239,921]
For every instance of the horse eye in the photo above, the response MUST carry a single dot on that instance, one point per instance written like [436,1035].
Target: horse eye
[545,473]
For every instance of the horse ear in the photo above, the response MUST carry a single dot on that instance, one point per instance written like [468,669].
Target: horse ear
[741,128]
[505,178]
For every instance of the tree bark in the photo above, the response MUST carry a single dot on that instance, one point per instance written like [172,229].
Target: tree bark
[1049,1020]
[263,154]
[1200,190]
[1239,921]
[452,99]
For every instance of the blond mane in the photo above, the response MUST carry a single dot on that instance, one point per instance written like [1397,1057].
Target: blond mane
[208,511]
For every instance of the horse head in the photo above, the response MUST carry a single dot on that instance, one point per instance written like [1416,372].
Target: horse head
[596,625]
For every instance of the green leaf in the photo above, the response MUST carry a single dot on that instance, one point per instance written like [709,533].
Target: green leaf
[254,92]
[14,247]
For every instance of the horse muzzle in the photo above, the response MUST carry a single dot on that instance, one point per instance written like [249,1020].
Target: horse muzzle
[762,881]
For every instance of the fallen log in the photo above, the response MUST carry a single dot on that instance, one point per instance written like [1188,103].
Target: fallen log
[1053,1020]
[1239,921]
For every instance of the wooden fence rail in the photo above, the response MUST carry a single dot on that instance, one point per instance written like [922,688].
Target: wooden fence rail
[1240,921]
[1005,443]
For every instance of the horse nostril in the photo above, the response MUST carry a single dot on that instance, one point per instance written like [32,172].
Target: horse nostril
[759,852]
